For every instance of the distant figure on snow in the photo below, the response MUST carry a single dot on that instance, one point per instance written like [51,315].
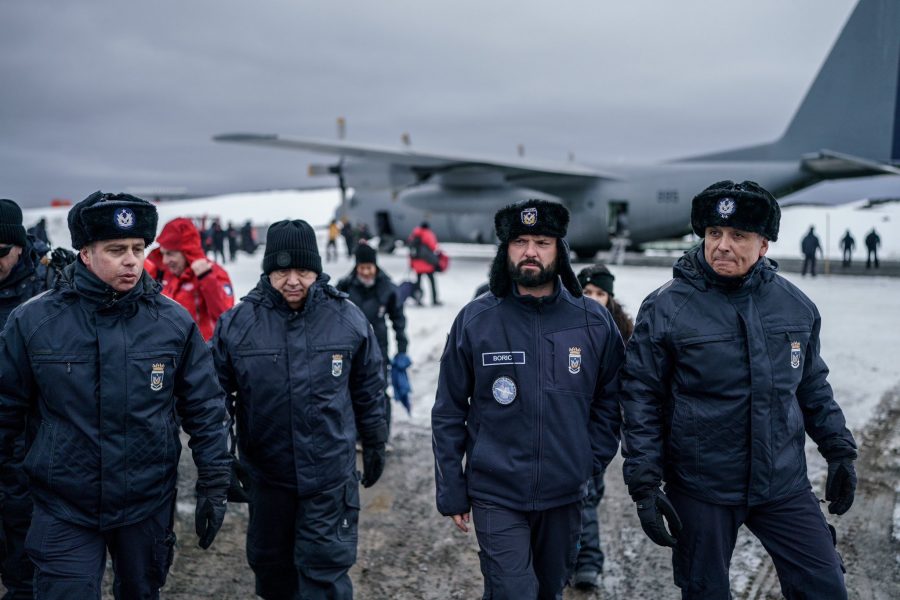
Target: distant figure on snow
[872,243]
[810,245]
[847,246]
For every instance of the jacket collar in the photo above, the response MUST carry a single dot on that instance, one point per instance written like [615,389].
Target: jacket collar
[78,279]
[693,268]
[534,302]
[266,295]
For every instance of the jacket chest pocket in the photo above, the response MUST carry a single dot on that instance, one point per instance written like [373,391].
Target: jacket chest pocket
[712,364]
[573,364]
[151,375]
[64,377]
[330,368]
[787,351]
[252,363]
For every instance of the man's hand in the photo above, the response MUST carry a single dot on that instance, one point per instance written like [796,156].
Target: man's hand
[651,509]
[200,266]
[840,487]
[374,457]
[461,522]
[209,514]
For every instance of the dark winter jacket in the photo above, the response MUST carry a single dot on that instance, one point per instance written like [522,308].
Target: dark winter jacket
[810,244]
[721,380]
[377,301]
[847,242]
[527,394]
[27,279]
[873,240]
[107,373]
[305,381]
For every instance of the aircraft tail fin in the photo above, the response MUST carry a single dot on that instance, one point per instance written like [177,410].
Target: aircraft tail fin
[853,105]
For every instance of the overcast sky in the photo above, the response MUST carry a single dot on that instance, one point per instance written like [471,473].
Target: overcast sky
[111,95]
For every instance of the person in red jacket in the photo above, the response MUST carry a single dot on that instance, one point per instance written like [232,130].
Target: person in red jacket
[188,277]
[423,259]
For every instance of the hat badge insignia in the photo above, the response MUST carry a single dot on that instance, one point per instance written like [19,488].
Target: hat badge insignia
[529,217]
[124,218]
[575,360]
[726,207]
[337,365]
[156,376]
[795,355]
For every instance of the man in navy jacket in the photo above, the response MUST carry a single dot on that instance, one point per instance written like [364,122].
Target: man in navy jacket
[305,368]
[527,396]
[104,363]
[721,383]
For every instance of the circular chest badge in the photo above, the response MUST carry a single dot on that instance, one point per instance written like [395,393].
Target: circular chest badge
[504,390]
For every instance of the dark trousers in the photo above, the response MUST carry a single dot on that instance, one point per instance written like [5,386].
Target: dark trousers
[871,255]
[15,567]
[810,261]
[420,293]
[590,555]
[792,530]
[331,252]
[848,253]
[526,554]
[303,547]
[69,560]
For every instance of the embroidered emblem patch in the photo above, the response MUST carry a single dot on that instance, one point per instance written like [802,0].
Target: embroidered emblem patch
[337,365]
[490,359]
[795,355]
[156,376]
[124,218]
[529,217]
[504,390]
[283,259]
[726,207]
[575,360]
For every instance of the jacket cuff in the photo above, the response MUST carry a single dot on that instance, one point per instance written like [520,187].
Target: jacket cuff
[374,436]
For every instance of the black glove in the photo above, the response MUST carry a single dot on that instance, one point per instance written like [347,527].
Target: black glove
[60,258]
[840,486]
[373,463]
[209,514]
[239,488]
[651,509]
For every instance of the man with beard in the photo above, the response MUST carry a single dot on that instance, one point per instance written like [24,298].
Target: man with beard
[375,294]
[527,399]
[109,368]
[722,382]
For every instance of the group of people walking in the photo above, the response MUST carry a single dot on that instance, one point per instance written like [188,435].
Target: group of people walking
[720,383]
[812,247]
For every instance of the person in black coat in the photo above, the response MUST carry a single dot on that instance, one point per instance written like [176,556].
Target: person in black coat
[305,370]
[847,246]
[810,246]
[526,410]
[722,382]
[109,367]
[873,240]
[375,294]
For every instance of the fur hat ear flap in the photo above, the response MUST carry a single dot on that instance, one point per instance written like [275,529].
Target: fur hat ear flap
[564,268]
[499,280]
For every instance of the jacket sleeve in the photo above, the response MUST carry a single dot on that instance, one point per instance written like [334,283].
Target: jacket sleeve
[822,417]
[222,361]
[367,385]
[645,380]
[606,416]
[398,320]
[449,415]
[217,292]
[16,391]
[200,403]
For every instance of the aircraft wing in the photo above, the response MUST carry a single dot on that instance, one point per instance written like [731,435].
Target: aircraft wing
[829,164]
[421,161]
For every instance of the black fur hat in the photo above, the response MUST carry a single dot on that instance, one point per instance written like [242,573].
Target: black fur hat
[111,217]
[746,206]
[535,217]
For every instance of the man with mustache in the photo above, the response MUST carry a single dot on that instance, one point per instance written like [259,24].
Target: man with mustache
[527,400]
[722,381]
[108,367]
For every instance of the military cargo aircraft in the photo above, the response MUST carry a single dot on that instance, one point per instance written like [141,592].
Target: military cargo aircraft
[848,125]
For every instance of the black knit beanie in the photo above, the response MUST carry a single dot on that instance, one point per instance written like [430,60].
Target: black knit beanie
[746,206]
[291,245]
[11,230]
[366,254]
[597,275]
[111,217]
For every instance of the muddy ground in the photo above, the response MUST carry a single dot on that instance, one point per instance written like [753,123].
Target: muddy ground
[408,551]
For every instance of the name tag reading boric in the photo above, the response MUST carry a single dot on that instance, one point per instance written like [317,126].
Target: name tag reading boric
[490,359]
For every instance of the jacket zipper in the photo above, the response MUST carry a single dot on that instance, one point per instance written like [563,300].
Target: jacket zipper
[540,407]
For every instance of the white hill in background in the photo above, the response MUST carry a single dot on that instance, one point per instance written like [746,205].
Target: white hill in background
[318,207]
